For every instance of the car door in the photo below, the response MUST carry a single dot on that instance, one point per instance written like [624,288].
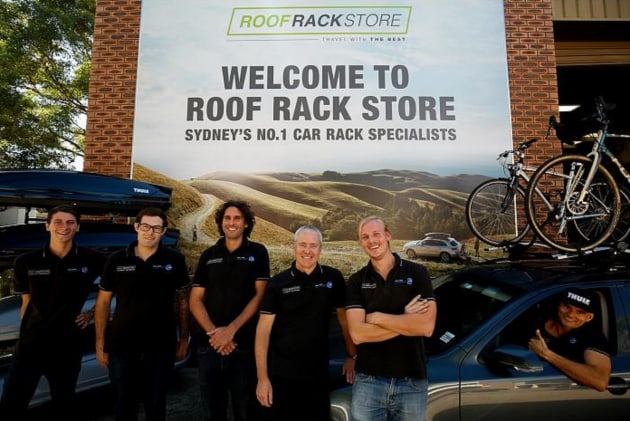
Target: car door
[491,391]
[429,248]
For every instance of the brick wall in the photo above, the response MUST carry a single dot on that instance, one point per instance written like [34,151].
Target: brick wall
[532,74]
[112,92]
[531,67]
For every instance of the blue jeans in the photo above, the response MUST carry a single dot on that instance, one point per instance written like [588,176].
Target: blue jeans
[141,377]
[381,398]
[221,377]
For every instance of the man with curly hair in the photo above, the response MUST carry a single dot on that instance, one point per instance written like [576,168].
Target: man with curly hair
[226,293]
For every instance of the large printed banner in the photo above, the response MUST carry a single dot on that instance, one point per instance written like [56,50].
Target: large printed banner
[323,87]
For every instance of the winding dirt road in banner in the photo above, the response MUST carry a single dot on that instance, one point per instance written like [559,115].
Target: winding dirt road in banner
[187,222]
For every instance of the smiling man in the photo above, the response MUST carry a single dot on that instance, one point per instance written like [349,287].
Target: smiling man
[292,335]
[54,283]
[390,308]
[570,344]
[140,345]
[226,293]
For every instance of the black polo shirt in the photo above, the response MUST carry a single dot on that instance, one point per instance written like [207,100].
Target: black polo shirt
[58,288]
[401,356]
[573,344]
[144,318]
[302,305]
[229,280]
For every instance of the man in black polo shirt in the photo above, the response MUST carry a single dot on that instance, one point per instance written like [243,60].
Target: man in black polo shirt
[141,344]
[54,283]
[292,335]
[390,307]
[569,343]
[226,293]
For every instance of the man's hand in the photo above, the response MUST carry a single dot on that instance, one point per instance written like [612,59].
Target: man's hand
[220,337]
[84,319]
[538,345]
[417,305]
[264,393]
[348,369]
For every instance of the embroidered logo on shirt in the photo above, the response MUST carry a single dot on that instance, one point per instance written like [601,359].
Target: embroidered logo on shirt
[368,286]
[167,267]
[408,281]
[83,269]
[291,290]
[214,261]
[328,285]
[39,272]
[128,268]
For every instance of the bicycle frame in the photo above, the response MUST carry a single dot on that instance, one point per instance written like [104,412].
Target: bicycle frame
[584,187]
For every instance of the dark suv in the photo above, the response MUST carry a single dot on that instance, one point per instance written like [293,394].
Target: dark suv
[479,366]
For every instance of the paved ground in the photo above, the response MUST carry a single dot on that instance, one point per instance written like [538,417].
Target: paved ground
[97,405]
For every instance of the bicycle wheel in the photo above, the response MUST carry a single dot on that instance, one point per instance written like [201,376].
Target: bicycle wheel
[491,212]
[622,230]
[553,209]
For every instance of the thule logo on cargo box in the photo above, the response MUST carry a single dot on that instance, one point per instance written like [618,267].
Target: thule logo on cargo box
[137,190]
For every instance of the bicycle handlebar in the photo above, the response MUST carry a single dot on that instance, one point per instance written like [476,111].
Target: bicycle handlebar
[521,147]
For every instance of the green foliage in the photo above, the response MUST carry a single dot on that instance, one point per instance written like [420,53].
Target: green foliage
[45,56]
[340,224]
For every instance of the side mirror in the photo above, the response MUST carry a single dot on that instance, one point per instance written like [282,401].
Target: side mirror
[517,358]
[617,386]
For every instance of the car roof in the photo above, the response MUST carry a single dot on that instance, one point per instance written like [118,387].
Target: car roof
[439,235]
[538,273]
[92,194]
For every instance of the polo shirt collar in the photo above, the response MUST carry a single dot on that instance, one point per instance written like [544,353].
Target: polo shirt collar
[130,251]
[398,262]
[48,253]
[221,243]
[295,272]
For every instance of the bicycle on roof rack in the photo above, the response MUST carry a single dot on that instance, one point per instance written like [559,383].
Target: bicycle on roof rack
[491,208]
[573,203]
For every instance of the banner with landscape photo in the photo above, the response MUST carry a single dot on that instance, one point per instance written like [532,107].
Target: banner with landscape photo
[323,112]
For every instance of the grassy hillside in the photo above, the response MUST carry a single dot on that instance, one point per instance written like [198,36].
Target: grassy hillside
[277,210]
[412,203]
[184,198]
[321,194]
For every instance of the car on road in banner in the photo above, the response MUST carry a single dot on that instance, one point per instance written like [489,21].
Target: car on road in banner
[479,366]
[444,248]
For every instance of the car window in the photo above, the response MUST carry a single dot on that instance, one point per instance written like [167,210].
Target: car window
[463,303]
[522,328]
[6,281]
[623,323]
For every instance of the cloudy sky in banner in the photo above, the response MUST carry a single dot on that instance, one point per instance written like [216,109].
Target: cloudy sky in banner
[452,50]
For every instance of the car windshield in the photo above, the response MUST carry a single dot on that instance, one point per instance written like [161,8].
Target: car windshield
[464,302]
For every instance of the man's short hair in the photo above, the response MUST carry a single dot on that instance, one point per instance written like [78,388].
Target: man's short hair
[152,212]
[580,298]
[65,209]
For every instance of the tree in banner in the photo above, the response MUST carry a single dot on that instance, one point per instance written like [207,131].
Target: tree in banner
[45,57]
